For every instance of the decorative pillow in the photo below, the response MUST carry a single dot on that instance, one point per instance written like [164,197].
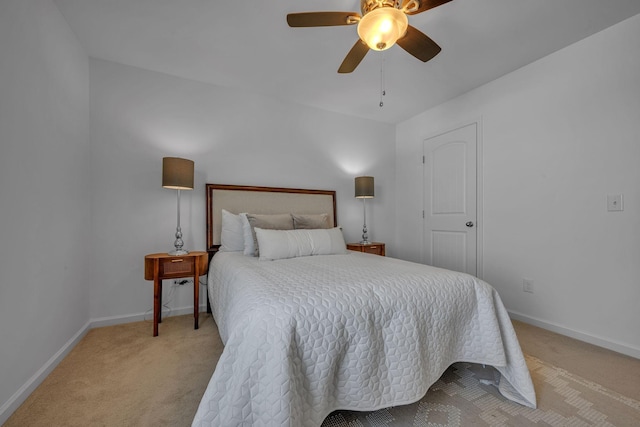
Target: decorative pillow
[232,235]
[311,221]
[249,245]
[268,222]
[283,244]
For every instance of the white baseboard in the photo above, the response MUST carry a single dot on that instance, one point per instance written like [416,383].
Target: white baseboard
[128,318]
[581,336]
[10,406]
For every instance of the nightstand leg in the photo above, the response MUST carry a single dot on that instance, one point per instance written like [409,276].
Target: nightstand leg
[160,302]
[196,299]
[156,304]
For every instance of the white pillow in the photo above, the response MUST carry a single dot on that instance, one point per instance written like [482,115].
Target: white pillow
[282,244]
[232,235]
[249,245]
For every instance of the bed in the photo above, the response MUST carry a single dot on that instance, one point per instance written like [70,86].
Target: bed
[310,328]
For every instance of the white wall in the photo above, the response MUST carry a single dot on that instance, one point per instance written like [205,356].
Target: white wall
[234,137]
[44,194]
[559,135]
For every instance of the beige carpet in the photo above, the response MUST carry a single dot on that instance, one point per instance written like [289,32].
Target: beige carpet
[122,376]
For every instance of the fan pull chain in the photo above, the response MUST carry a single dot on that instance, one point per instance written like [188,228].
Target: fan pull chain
[383,92]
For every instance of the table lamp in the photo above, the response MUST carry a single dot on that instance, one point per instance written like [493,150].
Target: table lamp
[177,174]
[364,191]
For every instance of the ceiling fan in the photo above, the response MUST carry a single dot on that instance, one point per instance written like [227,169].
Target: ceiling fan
[382,24]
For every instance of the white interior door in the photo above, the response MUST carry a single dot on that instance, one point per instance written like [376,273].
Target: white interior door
[450,200]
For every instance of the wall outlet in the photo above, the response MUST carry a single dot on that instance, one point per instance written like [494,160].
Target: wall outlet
[527,285]
[615,203]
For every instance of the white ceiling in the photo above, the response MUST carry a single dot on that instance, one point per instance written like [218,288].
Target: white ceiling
[248,45]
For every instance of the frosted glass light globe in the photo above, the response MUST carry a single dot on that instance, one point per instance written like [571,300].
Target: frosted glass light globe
[382,27]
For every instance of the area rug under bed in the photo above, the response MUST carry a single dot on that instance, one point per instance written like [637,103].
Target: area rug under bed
[465,396]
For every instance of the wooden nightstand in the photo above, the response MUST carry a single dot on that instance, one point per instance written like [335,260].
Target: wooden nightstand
[375,248]
[158,267]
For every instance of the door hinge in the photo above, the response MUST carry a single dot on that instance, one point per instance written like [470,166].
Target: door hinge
[423,214]
[423,160]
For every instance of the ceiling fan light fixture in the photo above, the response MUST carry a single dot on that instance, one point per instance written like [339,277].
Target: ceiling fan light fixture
[382,27]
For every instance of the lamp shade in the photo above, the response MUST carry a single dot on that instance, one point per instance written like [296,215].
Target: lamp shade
[364,187]
[177,173]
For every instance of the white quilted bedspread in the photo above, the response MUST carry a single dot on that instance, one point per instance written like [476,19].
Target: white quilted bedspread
[306,336]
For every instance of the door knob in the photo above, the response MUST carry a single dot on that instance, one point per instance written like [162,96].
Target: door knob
[469,224]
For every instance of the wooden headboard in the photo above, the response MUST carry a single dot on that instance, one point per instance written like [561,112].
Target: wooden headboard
[262,200]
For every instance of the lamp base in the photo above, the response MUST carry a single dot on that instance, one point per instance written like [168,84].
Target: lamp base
[365,234]
[178,243]
[178,252]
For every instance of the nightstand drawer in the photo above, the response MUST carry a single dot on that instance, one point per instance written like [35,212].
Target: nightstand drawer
[372,249]
[375,248]
[176,267]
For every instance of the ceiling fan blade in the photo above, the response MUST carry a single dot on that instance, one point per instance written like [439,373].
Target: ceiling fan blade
[322,19]
[425,5]
[419,44]
[354,57]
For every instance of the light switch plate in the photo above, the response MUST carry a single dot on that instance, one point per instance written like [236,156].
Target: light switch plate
[614,202]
